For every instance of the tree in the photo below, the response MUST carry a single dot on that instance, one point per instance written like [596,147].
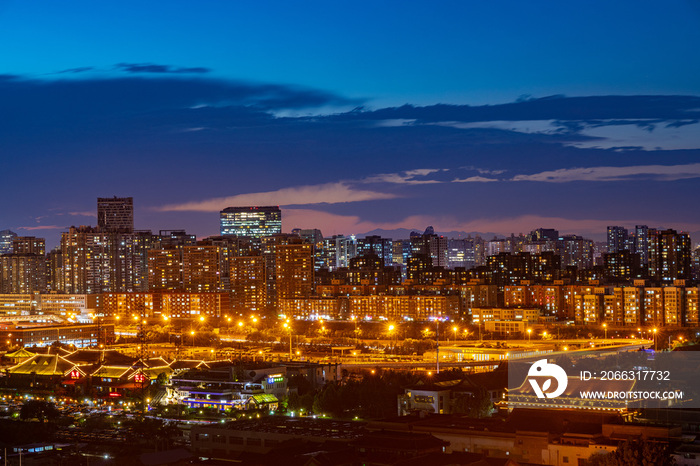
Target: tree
[162,379]
[635,453]
[36,409]
[476,405]
[328,400]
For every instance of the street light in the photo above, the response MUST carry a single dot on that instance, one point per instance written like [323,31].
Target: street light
[289,327]
[354,320]
[529,335]
[454,329]
[654,330]
[605,327]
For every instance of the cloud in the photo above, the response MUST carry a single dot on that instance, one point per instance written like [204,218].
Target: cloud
[649,172]
[407,177]
[81,69]
[474,179]
[43,227]
[154,68]
[83,214]
[330,193]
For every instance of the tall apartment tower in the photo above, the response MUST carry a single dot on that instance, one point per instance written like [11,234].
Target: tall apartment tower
[87,267]
[248,284]
[669,256]
[294,270]
[251,221]
[115,214]
[641,243]
[24,271]
[201,270]
[617,239]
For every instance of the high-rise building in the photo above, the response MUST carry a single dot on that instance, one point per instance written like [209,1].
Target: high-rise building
[6,241]
[87,261]
[382,247]
[252,221]
[617,239]
[22,273]
[200,268]
[24,270]
[28,245]
[294,270]
[575,251]
[669,256]
[641,243]
[248,287]
[460,253]
[311,235]
[337,252]
[130,260]
[431,245]
[164,269]
[115,214]
[54,270]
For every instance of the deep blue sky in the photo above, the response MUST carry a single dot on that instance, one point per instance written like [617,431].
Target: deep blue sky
[193,106]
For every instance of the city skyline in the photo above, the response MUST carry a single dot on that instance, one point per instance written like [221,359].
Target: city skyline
[461,117]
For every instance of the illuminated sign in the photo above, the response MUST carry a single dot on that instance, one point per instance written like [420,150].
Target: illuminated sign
[114,394]
[140,378]
[74,374]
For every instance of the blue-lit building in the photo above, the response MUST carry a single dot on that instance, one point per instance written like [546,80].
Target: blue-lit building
[6,237]
[251,221]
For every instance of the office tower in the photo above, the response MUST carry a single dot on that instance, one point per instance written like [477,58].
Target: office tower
[200,268]
[115,214]
[252,221]
[248,287]
[6,241]
[165,269]
[641,243]
[294,270]
[382,247]
[617,239]
[669,256]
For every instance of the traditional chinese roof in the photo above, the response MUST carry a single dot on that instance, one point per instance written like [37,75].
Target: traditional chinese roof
[180,364]
[525,396]
[44,364]
[93,356]
[21,353]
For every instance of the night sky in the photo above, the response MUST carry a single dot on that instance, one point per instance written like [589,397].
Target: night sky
[492,117]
